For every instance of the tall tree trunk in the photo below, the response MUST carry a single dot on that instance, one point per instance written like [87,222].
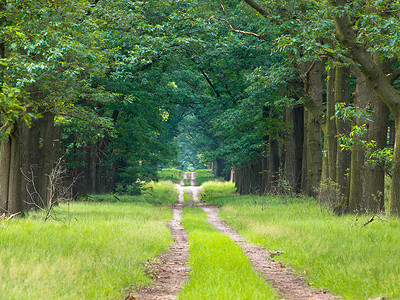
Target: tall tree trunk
[289,151]
[5,163]
[273,169]
[330,136]
[377,131]
[314,147]
[264,155]
[298,134]
[343,157]
[357,183]
[394,203]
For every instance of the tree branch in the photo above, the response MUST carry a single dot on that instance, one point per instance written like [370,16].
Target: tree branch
[395,74]
[239,31]
[257,7]
[373,73]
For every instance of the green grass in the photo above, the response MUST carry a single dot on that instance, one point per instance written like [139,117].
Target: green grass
[215,191]
[162,192]
[335,253]
[187,196]
[95,254]
[219,267]
[173,175]
[159,193]
[204,175]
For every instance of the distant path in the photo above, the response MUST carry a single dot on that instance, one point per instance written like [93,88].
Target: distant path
[191,176]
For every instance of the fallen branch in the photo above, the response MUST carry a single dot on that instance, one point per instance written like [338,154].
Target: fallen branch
[3,217]
[370,220]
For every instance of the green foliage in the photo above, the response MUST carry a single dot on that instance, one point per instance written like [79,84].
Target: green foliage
[90,256]
[358,136]
[219,267]
[338,254]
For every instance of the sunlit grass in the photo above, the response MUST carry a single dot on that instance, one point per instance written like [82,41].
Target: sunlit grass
[96,253]
[219,267]
[173,175]
[204,175]
[162,192]
[213,191]
[335,253]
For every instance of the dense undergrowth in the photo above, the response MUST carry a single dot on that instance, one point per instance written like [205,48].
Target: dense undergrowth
[349,255]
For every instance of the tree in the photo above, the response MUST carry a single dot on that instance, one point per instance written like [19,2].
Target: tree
[373,72]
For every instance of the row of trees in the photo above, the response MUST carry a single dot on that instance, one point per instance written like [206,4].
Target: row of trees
[73,86]
[285,94]
[340,61]
[313,97]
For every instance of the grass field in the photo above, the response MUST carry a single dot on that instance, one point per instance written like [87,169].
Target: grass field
[339,254]
[95,250]
[219,267]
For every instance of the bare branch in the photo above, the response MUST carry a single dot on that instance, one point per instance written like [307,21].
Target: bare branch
[236,30]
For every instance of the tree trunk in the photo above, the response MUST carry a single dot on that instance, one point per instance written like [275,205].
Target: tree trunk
[377,131]
[298,134]
[289,151]
[343,157]
[394,203]
[273,169]
[314,147]
[330,135]
[264,155]
[5,157]
[357,176]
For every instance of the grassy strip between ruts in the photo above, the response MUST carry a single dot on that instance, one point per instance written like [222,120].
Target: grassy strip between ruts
[219,267]
[96,253]
[339,254]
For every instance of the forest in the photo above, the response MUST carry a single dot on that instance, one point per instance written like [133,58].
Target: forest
[291,99]
[288,97]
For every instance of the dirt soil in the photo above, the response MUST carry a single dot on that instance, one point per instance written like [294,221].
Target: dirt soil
[171,275]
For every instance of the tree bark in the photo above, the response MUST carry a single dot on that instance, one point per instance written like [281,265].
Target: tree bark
[314,147]
[357,183]
[343,160]
[331,132]
[5,157]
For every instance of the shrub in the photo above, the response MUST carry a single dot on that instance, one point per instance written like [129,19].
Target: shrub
[162,192]
[204,175]
[212,190]
[330,198]
[173,175]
